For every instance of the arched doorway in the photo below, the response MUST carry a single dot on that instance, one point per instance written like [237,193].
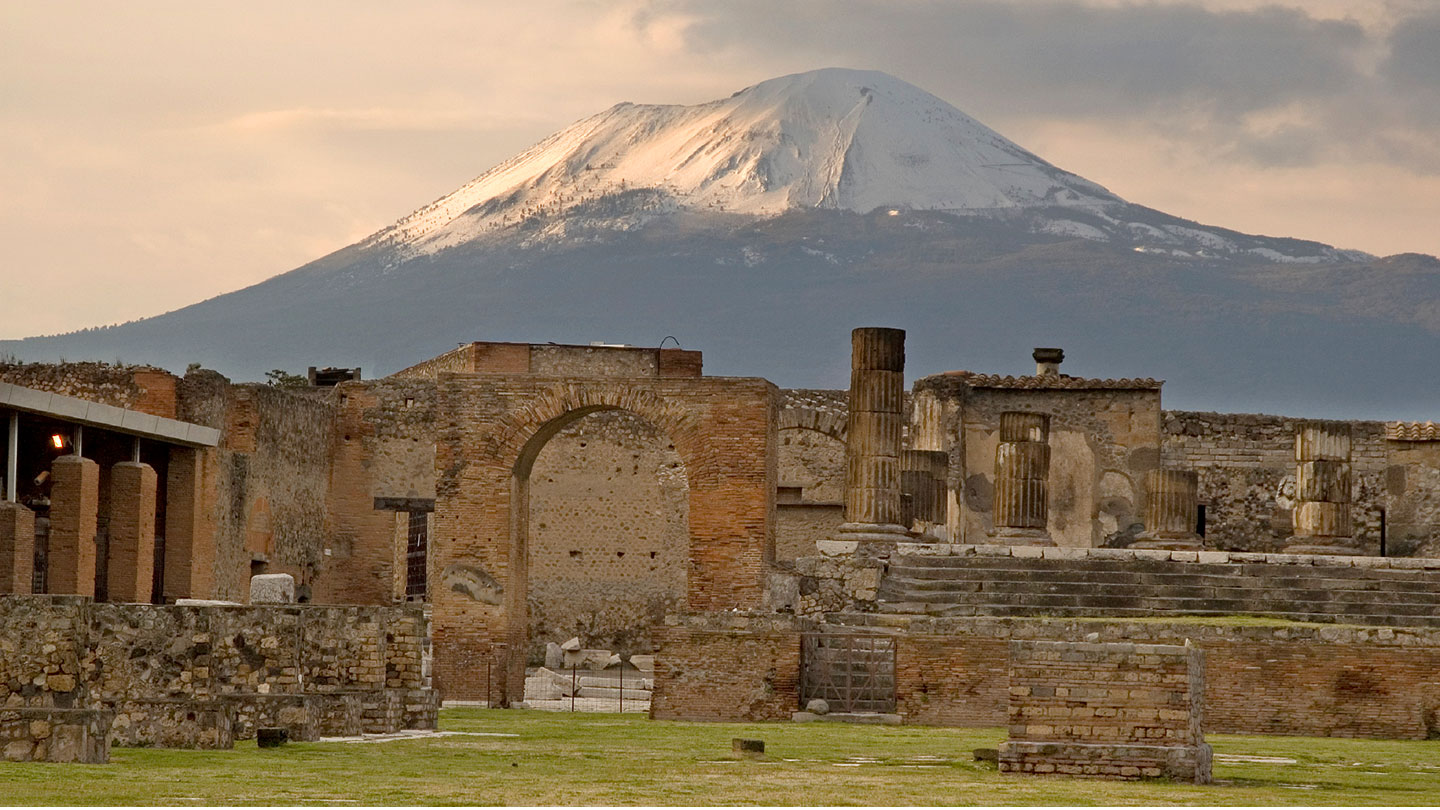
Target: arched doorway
[607,541]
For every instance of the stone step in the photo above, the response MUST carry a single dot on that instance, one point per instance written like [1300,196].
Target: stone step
[1110,572]
[1253,601]
[613,693]
[1303,590]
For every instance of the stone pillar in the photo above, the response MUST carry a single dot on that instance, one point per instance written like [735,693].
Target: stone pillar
[1022,468]
[1171,503]
[130,569]
[1322,490]
[189,534]
[872,450]
[74,505]
[17,547]
[922,487]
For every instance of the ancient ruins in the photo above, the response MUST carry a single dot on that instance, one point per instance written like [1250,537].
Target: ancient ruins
[186,560]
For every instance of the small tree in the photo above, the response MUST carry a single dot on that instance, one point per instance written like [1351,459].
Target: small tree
[281,378]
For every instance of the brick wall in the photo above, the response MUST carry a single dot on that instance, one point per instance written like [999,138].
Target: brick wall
[488,427]
[139,388]
[1311,680]
[727,668]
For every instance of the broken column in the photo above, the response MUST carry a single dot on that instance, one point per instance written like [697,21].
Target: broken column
[922,488]
[130,567]
[1171,504]
[1022,467]
[17,547]
[74,506]
[872,451]
[1322,490]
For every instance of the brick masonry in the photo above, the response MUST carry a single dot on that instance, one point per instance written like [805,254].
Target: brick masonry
[130,561]
[1121,710]
[492,429]
[727,667]
[74,505]
[17,548]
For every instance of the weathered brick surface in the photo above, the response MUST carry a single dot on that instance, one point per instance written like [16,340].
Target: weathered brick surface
[1375,682]
[1116,710]
[728,668]
[189,525]
[138,388]
[493,427]
[74,505]
[17,548]
[130,562]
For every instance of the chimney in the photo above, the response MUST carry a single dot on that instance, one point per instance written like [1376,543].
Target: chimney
[1047,362]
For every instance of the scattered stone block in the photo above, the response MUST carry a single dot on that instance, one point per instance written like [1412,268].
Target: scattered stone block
[818,706]
[573,645]
[644,663]
[747,748]
[272,589]
[554,656]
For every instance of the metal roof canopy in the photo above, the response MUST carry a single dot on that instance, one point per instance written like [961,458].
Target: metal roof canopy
[108,417]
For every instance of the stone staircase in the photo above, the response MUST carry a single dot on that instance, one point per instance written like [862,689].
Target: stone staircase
[1131,588]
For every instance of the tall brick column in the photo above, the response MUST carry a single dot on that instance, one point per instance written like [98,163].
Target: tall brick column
[17,547]
[131,564]
[872,450]
[1322,490]
[1171,504]
[189,534]
[1022,471]
[74,504]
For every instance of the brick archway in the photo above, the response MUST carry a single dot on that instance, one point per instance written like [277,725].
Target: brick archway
[833,425]
[724,431]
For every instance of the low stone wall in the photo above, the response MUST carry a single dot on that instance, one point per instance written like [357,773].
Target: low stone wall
[202,676]
[727,667]
[54,735]
[1312,680]
[1116,710]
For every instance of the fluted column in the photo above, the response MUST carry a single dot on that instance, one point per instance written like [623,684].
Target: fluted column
[1171,503]
[922,487]
[872,450]
[1323,523]
[1022,469]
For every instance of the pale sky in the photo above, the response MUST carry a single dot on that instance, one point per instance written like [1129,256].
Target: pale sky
[153,154]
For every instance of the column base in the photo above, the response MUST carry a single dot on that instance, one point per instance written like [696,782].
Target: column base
[872,539]
[1332,546]
[1009,536]
[1173,542]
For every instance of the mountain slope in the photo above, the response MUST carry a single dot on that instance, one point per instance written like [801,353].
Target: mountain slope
[762,227]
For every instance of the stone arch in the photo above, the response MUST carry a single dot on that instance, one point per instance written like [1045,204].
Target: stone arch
[723,431]
[833,425]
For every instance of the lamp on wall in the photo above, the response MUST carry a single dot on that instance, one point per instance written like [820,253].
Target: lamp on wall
[58,441]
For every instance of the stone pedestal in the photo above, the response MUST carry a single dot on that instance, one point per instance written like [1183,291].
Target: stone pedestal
[872,452]
[1171,503]
[130,567]
[17,547]
[1322,518]
[74,506]
[1022,469]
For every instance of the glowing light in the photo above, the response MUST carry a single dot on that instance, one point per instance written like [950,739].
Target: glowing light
[58,440]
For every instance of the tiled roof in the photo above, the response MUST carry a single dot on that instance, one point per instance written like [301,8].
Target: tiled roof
[1062,381]
[1412,431]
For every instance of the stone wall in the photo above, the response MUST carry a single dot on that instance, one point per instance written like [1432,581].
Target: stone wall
[1114,710]
[1246,464]
[140,388]
[727,667]
[811,456]
[202,675]
[266,483]
[1412,506]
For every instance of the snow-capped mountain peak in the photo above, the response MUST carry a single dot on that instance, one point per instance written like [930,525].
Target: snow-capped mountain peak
[835,138]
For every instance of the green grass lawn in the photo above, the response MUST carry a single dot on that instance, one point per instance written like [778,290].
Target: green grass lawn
[609,759]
